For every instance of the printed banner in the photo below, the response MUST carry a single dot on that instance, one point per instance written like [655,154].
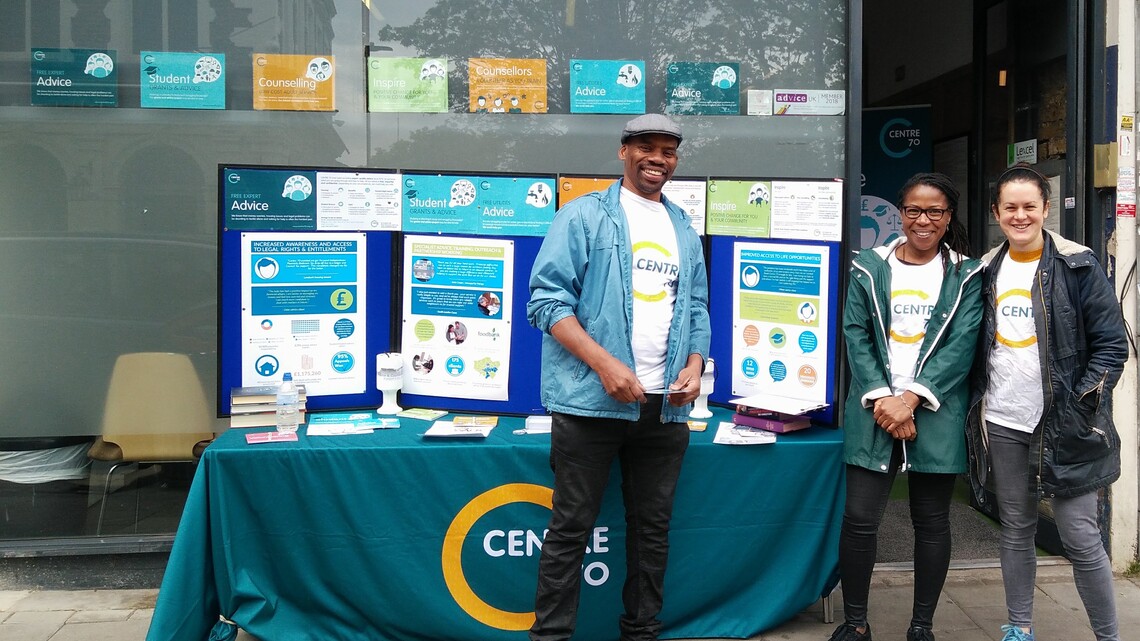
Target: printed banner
[810,102]
[182,80]
[739,208]
[74,77]
[299,200]
[896,145]
[507,85]
[487,205]
[703,88]
[303,311]
[780,320]
[417,85]
[607,86]
[458,299]
[807,210]
[293,82]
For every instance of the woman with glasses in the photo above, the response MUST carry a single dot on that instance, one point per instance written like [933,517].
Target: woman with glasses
[910,321]
[1053,346]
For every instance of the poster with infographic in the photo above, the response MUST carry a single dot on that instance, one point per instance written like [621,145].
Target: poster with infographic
[607,86]
[74,77]
[287,199]
[807,210]
[410,85]
[458,301]
[780,320]
[303,310]
[182,80]
[507,85]
[702,88]
[483,205]
[739,208]
[294,82]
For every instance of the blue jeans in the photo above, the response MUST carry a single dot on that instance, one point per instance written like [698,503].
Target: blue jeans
[582,450]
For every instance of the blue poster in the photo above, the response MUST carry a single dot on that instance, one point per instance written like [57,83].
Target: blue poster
[703,88]
[182,80]
[74,78]
[484,205]
[896,145]
[607,86]
[269,200]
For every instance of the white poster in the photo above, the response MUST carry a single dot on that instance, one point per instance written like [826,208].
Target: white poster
[458,300]
[780,320]
[807,210]
[689,195]
[303,310]
[364,201]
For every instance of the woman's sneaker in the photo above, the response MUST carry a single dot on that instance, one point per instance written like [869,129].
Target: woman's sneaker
[1015,633]
[849,632]
[918,633]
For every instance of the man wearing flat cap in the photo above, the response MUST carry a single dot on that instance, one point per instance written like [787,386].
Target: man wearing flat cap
[620,293]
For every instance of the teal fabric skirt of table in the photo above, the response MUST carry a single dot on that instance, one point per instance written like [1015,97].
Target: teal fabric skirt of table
[393,536]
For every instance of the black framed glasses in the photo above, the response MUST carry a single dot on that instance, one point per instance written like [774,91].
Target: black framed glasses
[935,214]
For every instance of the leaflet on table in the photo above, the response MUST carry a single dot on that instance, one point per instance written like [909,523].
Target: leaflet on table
[686,194]
[294,82]
[739,208]
[336,423]
[259,199]
[74,77]
[449,429]
[458,299]
[481,205]
[607,86]
[410,85]
[507,85]
[182,80]
[779,316]
[732,434]
[702,88]
[303,310]
[421,413]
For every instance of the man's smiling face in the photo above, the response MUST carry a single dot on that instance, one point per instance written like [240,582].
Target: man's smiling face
[650,160]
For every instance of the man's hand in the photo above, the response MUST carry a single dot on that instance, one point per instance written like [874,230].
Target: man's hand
[688,382]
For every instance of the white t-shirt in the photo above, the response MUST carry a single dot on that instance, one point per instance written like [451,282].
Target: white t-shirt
[656,268]
[914,293]
[1014,397]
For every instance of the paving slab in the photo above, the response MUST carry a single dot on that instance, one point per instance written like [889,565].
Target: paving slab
[103,631]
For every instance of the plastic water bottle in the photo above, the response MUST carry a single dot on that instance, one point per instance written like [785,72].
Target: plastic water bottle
[287,414]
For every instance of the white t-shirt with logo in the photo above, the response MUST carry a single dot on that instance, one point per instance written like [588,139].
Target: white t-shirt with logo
[656,267]
[914,293]
[1014,397]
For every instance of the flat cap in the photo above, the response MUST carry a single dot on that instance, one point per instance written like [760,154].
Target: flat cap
[651,124]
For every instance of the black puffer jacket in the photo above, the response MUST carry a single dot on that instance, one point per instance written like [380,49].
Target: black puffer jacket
[1082,345]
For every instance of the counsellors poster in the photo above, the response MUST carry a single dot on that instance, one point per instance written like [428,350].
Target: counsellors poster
[303,310]
[182,80]
[607,86]
[484,205]
[507,85]
[780,320]
[74,77]
[293,82]
[458,297]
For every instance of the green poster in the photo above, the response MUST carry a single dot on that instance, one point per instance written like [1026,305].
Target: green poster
[740,208]
[407,85]
[702,88]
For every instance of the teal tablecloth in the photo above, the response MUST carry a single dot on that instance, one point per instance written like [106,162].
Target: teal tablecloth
[391,536]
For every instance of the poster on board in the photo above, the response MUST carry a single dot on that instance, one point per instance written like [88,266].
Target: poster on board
[607,86]
[740,208]
[410,85]
[303,310]
[74,77]
[807,210]
[702,89]
[456,330]
[294,82]
[507,85]
[470,204]
[182,80]
[780,320]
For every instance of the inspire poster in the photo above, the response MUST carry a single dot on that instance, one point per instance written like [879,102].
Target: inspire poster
[607,86]
[740,208]
[74,77]
[410,85]
[293,82]
[702,88]
[182,80]
[507,85]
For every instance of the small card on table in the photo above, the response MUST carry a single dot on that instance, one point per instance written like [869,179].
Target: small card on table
[270,437]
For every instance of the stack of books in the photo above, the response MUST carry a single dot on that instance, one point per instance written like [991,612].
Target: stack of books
[256,406]
[769,420]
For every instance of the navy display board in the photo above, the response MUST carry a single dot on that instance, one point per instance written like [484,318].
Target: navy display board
[722,277]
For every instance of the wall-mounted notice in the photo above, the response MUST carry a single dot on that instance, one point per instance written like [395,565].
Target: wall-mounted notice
[365,201]
[488,205]
[739,208]
[507,85]
[570,187]
[74,77]
[607,86]
[690,196]
[702,88]
[307,200]
[458,299]
[810,102]
[807,210]
[416,85]
[294,82]
[303,310]
[780,320]
[182,80]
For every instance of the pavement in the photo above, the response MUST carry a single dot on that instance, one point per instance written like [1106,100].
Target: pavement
[972,609]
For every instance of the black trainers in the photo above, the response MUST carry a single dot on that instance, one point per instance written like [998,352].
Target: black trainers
[848,632]
[916,633]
